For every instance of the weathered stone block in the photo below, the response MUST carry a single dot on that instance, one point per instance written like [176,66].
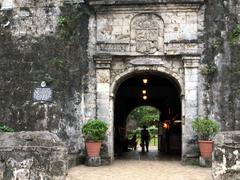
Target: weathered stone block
[32,155]
[93,161]
[226,158]
[205,162]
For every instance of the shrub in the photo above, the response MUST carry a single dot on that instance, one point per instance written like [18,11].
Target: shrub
[94,129]
[4,128]
[209,69]
[205,128]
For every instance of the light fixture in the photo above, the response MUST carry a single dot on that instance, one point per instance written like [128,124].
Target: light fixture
[145,97]
[144,91]
[166,125]
[43,84]
[145,80]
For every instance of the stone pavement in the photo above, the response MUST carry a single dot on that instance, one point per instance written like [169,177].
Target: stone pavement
[138,166]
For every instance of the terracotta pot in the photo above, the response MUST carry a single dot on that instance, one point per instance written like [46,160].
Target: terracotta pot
[93,148]
[206,148]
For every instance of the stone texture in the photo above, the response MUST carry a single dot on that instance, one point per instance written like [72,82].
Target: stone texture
[93,161]
[34,47]
[32,155]
[167,29]
[221,88]
[97,2]
[205,162]
[130,31]
[58,41]
[226,158]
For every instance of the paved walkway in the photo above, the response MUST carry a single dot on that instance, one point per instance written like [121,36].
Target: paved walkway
[139,166]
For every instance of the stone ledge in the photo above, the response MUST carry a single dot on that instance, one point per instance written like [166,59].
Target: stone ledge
[226,156]
[32,155]
[119,2]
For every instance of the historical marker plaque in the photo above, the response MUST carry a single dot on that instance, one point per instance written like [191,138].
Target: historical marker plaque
[43,94]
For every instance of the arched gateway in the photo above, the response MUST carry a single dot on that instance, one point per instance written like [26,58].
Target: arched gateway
[159,42]
[161,91]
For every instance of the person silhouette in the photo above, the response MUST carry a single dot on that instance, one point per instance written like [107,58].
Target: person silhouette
[145,138]
[133,142]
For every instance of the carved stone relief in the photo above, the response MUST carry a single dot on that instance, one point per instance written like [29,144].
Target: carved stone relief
[147,32]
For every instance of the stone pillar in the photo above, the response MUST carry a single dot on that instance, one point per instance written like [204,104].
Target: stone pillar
[190,106]
[103,64]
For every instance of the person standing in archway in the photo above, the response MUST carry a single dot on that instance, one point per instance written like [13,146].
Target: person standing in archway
[145,138]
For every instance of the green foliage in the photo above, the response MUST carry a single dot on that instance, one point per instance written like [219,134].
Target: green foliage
[209,69]
[59,64]
[145,115]
[217,44]
[94,129]
[63,21]
[235,35]
[4,128]
[69,22]
[205,128]
[48,79]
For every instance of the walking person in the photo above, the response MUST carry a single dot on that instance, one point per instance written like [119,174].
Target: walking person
[145,138]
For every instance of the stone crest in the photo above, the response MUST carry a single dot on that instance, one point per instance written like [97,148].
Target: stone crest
[147,33]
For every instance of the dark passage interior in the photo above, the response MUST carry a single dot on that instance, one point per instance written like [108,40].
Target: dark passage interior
[150,89]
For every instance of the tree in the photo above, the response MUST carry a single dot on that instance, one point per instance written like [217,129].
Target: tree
[144,115]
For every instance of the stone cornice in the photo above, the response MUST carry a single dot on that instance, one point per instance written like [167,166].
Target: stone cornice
[136,2]
[103,61]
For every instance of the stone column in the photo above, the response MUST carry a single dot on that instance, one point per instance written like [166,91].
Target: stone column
[190,111]
[103,64]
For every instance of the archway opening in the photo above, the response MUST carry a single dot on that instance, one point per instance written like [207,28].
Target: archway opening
[146,92]
[142,116]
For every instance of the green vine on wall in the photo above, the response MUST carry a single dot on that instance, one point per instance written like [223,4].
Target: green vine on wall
[209,70]
[67,24]
[64,21]
[59,64]
[234,36]
[4,128]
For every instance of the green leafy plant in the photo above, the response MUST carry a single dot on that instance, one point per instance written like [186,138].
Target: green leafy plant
[63,21]
[208,69]
[95,130]
[234,36]
[205,128]
[48,78]
[4,128]
[145,115]
[59,64]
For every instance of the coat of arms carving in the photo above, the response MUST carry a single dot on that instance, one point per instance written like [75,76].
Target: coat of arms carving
[147,33]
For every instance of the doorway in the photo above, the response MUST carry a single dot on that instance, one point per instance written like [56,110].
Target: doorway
[157,90]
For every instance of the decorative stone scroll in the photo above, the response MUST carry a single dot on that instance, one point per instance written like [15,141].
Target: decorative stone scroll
[147,31]
[111,47]
[146,61]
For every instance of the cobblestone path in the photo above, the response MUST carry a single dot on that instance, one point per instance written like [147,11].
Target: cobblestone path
[137,166]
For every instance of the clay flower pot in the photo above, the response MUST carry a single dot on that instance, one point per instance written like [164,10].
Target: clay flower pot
[94,132]
[206,148]
[93,148]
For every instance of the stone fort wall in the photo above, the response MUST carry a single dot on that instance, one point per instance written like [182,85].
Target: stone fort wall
[49,41]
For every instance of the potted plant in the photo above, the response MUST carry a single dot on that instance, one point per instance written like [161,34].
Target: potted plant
[94,132]
[206,129]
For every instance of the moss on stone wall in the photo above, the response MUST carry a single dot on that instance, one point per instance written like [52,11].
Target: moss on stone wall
[222,31]
[62,62]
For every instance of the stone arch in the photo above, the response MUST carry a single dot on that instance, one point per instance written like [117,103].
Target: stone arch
[147,34]
[161,70]
[117,120]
